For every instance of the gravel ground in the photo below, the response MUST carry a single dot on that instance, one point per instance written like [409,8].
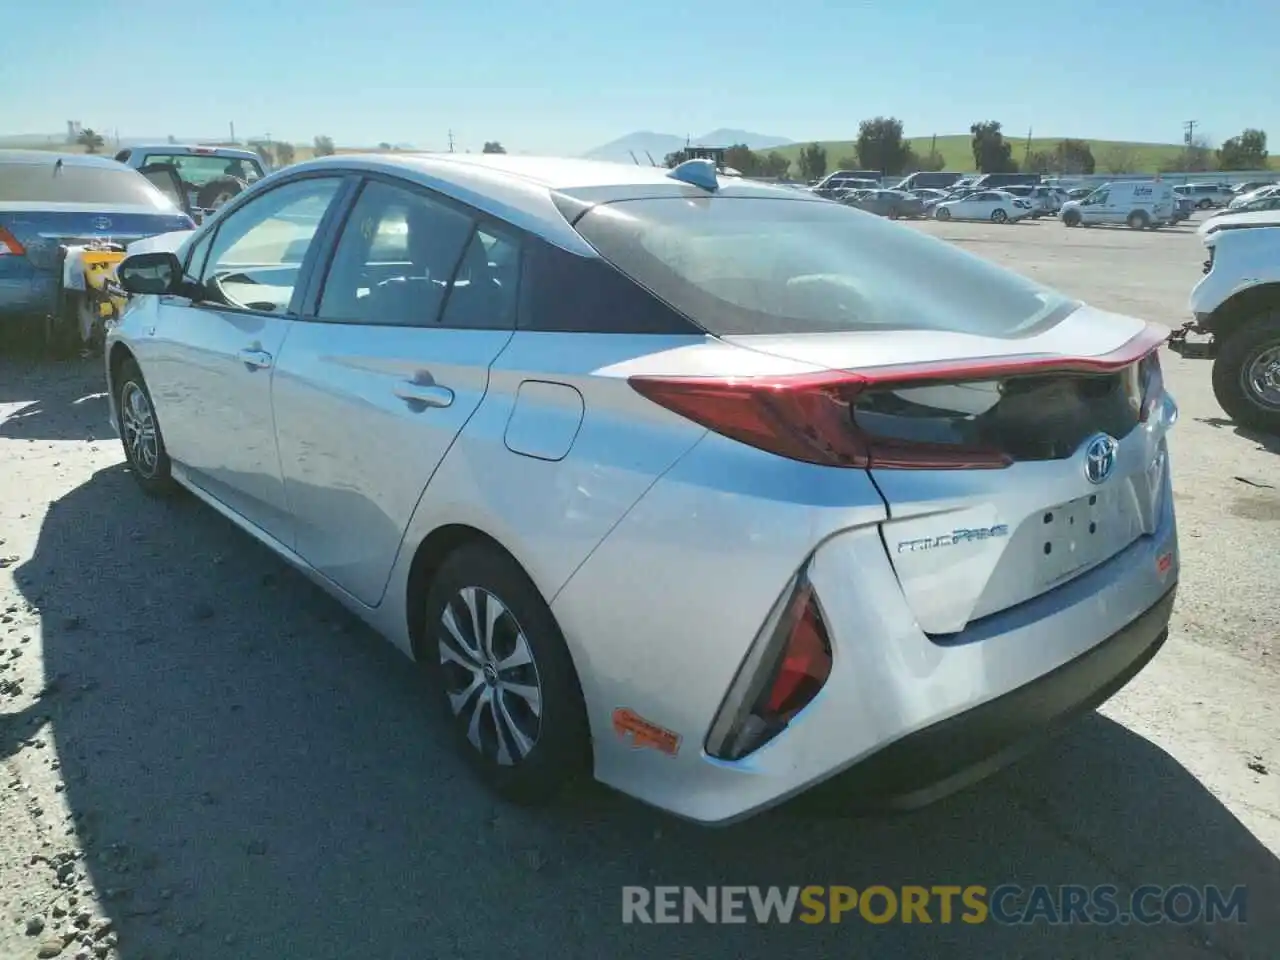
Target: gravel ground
[202,756]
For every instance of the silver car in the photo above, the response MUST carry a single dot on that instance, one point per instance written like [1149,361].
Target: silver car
[711,489]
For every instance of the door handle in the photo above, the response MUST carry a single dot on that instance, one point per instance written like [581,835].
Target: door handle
[255,359]
[423,395]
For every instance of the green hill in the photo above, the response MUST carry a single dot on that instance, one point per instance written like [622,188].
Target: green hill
[956,150]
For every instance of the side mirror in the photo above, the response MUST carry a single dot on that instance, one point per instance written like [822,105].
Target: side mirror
[153,273]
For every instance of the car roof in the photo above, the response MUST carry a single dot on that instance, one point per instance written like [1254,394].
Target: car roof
[523,189]
[51,157]
[194,149]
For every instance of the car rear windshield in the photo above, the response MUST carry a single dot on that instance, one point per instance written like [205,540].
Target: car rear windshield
[73,183]
[739,265]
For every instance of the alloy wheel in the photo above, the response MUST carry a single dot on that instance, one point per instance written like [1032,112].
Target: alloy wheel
[138,422]
[490,676]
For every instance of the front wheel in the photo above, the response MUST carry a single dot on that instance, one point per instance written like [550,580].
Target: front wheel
[1246,374]
[140,432]
[1071,218]
[506,679]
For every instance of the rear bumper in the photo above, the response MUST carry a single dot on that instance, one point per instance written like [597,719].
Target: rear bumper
[960,750]
[32,295]
[668,645]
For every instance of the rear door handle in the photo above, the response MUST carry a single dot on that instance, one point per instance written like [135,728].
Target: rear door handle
[255,359]
[423,395]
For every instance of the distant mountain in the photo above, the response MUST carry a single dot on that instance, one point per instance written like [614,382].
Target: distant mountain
[658,145]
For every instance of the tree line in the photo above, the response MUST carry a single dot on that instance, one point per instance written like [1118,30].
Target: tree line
[882,146]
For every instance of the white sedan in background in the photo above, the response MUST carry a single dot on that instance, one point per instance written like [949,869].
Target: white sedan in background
[997,206]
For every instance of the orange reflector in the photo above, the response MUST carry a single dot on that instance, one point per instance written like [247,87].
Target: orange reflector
[642,733]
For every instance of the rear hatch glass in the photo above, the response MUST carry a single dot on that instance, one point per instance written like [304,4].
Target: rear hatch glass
[68,183]
[743,266]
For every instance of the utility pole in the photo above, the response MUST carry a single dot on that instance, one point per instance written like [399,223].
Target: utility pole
[1189,127]
[1026,155]
[451,141]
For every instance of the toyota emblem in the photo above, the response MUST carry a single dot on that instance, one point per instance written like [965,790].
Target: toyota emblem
[1100,457]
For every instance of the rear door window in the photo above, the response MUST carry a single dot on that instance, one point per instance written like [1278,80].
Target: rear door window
[196,170]
[395,260]
[737,265]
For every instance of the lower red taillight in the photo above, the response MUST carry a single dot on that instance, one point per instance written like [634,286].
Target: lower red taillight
[815,417]
[806,661]
[784,671]
[9,245]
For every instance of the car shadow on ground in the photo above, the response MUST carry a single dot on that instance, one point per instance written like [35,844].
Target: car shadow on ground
[1265,441]
[40,400]
[254,774]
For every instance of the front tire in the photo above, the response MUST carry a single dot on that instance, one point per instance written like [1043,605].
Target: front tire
[140,435]
[507,682]
[1071,218]
[1246,374]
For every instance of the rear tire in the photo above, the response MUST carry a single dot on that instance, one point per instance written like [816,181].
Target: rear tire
[140,435]
[1138,220]
[942,214]
[998,215]
[1241,357]
[523,754]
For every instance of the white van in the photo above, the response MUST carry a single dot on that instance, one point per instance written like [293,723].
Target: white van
[1142,204]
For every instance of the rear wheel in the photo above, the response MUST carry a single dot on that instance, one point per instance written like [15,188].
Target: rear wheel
[942,213]
[1138,220]
[999,216]
[506,679]
[1246,373]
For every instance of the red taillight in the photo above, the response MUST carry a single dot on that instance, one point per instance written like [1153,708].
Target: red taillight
[813,417]
[806,661]
[785,669]
[9,245]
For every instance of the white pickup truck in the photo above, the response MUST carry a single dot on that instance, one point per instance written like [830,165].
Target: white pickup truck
[1236,305]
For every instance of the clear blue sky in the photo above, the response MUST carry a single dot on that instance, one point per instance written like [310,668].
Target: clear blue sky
[562,76]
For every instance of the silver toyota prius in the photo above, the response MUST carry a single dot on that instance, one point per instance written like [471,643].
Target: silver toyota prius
[713,490]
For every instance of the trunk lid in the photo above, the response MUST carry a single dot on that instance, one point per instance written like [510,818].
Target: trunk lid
[1088,458]
[41,231]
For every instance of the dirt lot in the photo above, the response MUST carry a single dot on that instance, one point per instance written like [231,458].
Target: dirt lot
[204,757]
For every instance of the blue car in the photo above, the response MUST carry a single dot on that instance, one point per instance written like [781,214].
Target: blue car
[51,200]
